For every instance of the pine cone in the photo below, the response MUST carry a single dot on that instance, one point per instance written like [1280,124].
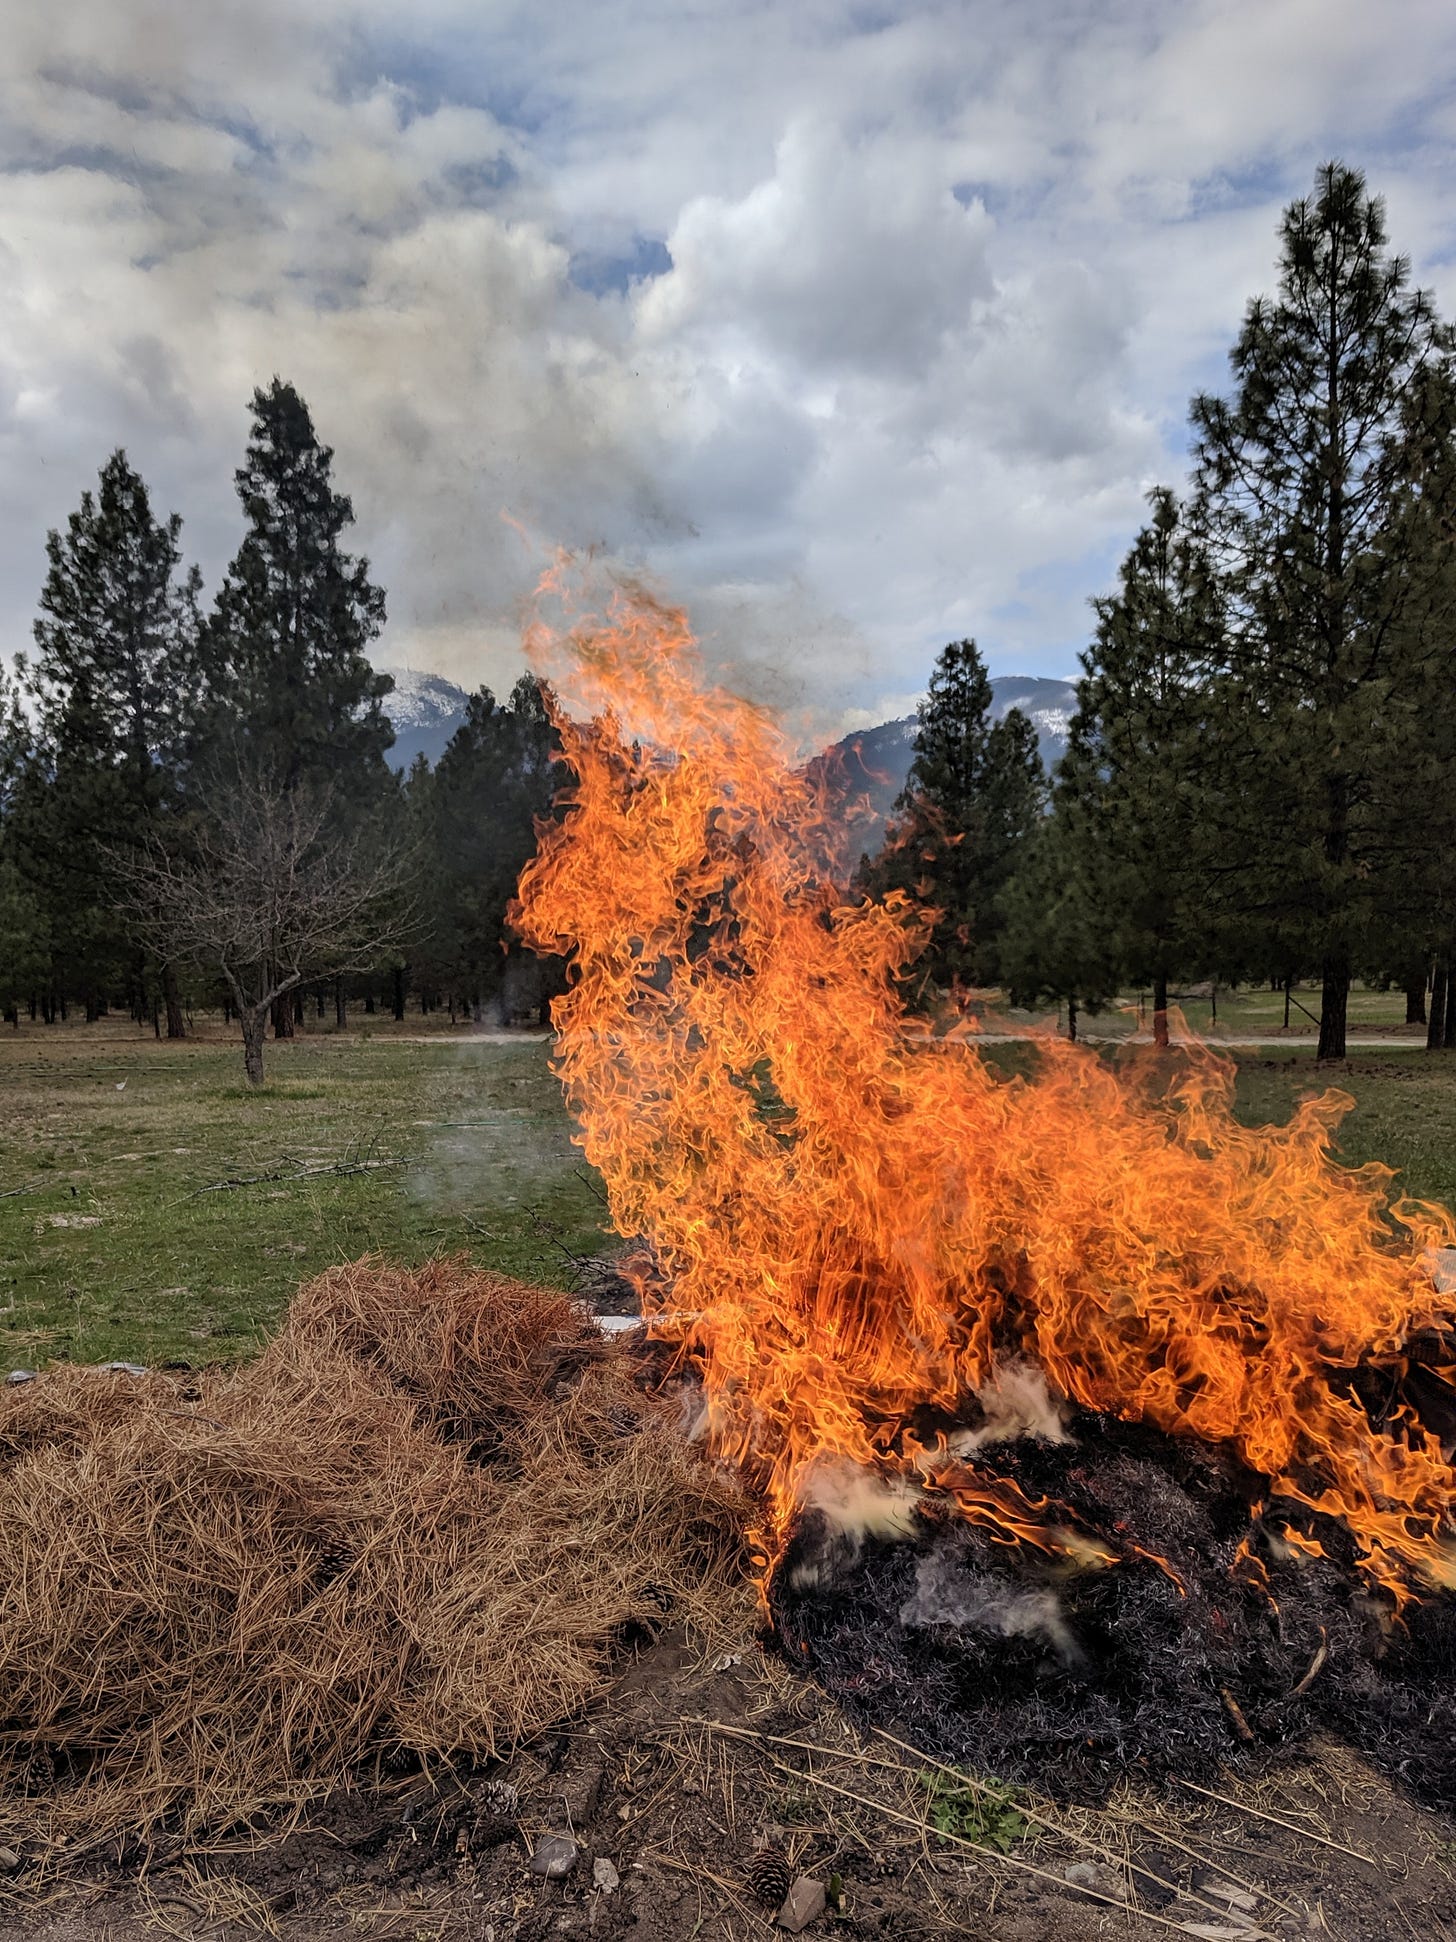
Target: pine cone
[768,1875]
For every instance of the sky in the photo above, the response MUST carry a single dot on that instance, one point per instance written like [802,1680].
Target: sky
[856,327]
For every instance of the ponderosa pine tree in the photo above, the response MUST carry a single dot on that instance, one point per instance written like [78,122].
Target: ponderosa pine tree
[1416,888]
[296,612]
[1140,730]
[115,681]
[497,776]
[25,954]
[1057,939]
[974,792]
[1298,478]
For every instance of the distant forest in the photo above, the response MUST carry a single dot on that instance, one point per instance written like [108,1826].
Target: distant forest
[197,810]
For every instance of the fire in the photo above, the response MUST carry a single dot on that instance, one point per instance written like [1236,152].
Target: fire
[861,1221]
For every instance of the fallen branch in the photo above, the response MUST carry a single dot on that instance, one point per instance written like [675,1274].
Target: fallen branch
[1316,1665]
[991,1857]
[339,1169]
[1290,1827]
[974,1785]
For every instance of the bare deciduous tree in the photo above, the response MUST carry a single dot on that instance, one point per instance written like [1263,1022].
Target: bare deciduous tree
[268,891]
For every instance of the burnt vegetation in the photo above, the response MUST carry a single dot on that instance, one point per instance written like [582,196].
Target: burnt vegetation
[1238,1647]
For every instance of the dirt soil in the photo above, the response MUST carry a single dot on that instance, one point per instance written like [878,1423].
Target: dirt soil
[682,1771]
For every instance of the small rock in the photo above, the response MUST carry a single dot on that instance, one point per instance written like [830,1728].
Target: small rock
[803,1904]
[9,1861]
[624,1812]
[605,1876]
[21,1375]
[1092,1882]
[555,1857]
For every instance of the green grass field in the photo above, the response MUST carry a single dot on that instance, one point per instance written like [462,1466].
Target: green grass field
[115,1245]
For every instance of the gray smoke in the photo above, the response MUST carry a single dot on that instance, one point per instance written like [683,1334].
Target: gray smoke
[949,1592]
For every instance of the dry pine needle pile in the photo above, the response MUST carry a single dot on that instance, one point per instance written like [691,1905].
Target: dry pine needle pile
[418,1522]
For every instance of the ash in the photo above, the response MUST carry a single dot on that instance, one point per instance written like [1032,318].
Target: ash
[1071,1678]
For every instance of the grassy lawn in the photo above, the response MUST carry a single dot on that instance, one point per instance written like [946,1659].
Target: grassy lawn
[1405,1110]
[113,1247]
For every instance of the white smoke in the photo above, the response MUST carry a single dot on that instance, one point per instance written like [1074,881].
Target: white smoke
[859,1503]
[855,1504]
[1015,1402]
[957,1596]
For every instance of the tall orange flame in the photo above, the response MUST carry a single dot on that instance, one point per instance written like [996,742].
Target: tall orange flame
[858,1219]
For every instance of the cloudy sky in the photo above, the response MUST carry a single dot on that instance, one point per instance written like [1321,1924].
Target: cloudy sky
[858,325]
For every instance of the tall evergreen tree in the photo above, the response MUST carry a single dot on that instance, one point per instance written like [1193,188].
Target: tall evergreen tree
[496,778]
[974,792]
[298,697]
[1140,725]
[295,614]
[115,681]
[1416,889]
[25,952]
[1057,940]
[1298,478]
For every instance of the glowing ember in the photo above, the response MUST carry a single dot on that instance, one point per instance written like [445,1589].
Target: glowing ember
[860,1222]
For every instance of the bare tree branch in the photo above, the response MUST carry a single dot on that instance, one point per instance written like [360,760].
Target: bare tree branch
[268,886]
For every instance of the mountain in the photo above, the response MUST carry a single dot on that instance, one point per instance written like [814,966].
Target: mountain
[876,761]
[426,710]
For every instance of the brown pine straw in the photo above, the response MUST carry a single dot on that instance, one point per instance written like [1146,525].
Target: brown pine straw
[419,1521]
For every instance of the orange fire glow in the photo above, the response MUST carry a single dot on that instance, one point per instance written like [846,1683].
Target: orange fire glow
[860,1219]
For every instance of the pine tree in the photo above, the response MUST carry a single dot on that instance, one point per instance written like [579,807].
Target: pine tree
[25,951]
[1415,892]
[115,680]
[295,614]
[973,793]
[1140,733]
[1057,940]
[1299,475]
[298,698]
[496,778]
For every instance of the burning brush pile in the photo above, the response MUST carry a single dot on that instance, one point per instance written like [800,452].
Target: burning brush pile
[1092,1431]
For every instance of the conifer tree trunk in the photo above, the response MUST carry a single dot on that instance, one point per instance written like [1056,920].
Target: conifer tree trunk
[1436,1023]
[1160,1009]
[1449,1036]
[1072,1017]
[399,991]
[1415,998]
[1334,1005]
[283,1016]
[341,1007]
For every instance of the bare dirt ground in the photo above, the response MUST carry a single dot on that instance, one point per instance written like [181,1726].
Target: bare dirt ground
[702,1750]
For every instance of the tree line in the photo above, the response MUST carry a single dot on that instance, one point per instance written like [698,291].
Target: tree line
[196,808]
[1260,778]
